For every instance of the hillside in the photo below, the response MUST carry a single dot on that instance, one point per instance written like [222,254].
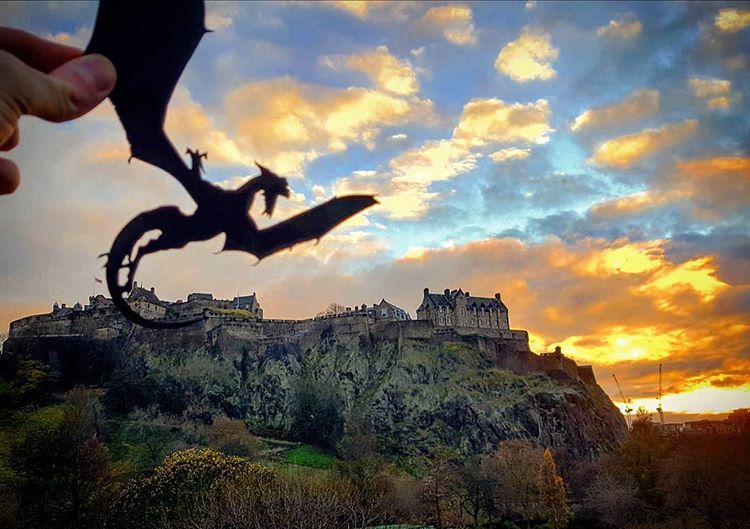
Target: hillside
[414,393]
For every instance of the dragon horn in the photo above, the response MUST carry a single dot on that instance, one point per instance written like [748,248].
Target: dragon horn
[264,170]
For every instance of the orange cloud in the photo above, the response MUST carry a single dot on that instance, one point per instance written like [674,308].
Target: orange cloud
[529,57]
[287,123]
[623,151]
[625,28]
[638,105]
[455,22]
[376,10]
[715,185]
[731,20]
[487,121]
[388,72]
[510,154]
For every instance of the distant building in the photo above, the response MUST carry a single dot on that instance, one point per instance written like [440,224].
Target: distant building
[250,304]
[385,311]
[456,308]
[200,296]
[146,303]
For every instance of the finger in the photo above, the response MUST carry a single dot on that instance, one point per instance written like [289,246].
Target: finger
[9,177]
[12,141]
[41,54]
[66,93]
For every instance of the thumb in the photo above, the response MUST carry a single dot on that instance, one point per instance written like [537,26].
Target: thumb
[69,91]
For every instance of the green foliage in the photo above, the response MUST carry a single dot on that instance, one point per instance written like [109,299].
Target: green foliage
[28,383]
[317,413]
[642,453]
[309,456]
[62,467]
[145,436]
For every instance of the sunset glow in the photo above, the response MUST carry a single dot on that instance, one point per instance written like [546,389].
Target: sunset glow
[590,163]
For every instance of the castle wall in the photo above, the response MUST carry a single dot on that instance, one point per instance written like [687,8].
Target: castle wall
[504,348]
[558,364]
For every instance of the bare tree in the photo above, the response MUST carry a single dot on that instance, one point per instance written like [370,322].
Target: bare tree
[333,309]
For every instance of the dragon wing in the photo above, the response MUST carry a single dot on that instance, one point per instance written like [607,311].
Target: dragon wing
[309,225]
[149,43]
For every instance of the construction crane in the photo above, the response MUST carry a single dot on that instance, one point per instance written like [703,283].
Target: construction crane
[659,408]
[628,407]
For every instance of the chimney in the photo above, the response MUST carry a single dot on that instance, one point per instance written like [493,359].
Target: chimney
[467,294]
[135,285]
[426,291]
[447,292]
[152,290]
[497,297]
[558,350]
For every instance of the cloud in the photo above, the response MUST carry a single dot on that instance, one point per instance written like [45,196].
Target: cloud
[716,92]
[625,28]
[491,121]
[403,190]
[636,106]
[510,154]
[385,70]
[215,21]
[455,22]
[732,20]
[715,186]
[374,10]
[709,86]
[624,151]
[287,123]
[529,57]
[433,161]
[630,205]
[79,39]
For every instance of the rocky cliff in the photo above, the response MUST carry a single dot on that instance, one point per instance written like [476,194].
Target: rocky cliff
[415,393]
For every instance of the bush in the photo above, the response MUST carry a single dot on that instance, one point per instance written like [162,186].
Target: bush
[317,413]
[63,469]
[191,485]
[231,437]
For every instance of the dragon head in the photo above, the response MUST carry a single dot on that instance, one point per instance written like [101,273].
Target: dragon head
[272,185]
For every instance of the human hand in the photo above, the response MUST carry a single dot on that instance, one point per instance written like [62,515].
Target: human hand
[48,80]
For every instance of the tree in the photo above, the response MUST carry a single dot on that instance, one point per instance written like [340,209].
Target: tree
[642,453]
[231,437]
[317,413]
[552,495]
[28,383]
[440,488]
[64,470]
[332,310]
[475,494]
[514,468]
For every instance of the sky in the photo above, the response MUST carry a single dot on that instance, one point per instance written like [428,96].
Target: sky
[589,161]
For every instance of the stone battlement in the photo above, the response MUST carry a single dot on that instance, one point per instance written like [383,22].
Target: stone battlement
[100,321]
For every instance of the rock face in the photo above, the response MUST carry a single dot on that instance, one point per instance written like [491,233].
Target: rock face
[415,393]
[418,394]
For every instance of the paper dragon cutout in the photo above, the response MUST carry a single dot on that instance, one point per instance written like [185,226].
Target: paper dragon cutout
[150,43]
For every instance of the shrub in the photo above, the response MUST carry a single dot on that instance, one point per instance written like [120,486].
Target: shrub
[231,437]
[317,413]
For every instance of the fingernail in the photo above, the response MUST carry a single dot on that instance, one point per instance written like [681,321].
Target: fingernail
[97,73]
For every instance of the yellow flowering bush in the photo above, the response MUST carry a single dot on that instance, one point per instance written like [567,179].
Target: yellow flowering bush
[180,487]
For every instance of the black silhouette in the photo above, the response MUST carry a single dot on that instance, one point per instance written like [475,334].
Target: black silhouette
[150,43]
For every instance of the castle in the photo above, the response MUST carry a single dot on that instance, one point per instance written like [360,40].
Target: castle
[452,315]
